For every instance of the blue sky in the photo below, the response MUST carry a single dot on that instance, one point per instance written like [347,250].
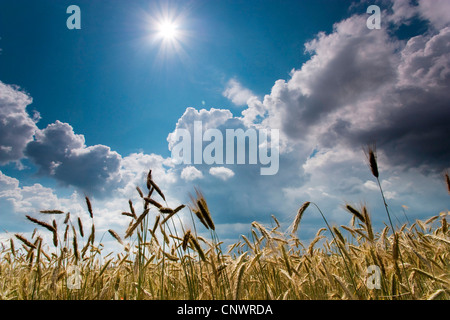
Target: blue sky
[110,72]
[91,110]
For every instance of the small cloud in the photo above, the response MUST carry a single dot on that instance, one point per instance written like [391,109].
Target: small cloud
[221,173]
[370,185]
[237,93]
[191,173]
[390,195]
[36,116]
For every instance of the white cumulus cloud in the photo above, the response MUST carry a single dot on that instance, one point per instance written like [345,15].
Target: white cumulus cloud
[235,92]
[16,125]
[191,173]
[221,173]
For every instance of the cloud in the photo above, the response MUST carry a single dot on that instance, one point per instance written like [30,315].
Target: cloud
[235,92]
[221,173]
[402,11]
[7,183]
[191,173]
[28,198]
[345,66]
[437,12]
[425,61]
[361,86]
[133,172]
[241,186]
[211,119]
[16,125]
[63,155]
[136,166]
[18,200]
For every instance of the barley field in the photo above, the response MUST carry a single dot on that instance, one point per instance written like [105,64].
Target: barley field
[163,260]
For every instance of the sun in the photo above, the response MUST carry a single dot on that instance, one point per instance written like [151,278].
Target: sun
[168,30]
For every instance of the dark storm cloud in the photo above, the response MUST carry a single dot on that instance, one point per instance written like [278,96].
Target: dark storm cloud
[415,135]
[62,154]
[411,118]
[363,86]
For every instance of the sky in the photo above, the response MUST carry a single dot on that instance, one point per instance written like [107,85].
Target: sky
[87,112]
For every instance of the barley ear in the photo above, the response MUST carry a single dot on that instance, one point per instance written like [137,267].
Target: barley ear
[299,215]
[89,206]
[51,211]
[355,213]
[158,190]
[80,227]
[140,192]
[149,179]
[371,155]
[115,236]
[42,224]
[447,180]
[186,238]
[25,241]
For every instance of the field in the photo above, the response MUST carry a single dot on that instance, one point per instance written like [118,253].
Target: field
[162,260]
